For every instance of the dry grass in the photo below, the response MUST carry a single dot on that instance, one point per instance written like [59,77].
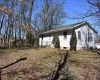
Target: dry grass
[40,62]
[84,65]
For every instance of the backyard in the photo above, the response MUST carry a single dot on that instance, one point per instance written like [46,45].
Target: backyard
[42,62]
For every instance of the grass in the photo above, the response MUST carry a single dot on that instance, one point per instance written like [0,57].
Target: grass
[42,62]
[85,65]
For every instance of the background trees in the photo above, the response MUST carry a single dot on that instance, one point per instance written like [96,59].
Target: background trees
[95,10]
[16,21]
[21,20]
[91,14]
[51,15]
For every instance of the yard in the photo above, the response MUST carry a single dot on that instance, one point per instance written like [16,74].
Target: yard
[42,62]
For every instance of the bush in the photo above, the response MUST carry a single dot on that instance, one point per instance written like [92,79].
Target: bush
[73,40]
[36,42]
[30,39]
[56,41]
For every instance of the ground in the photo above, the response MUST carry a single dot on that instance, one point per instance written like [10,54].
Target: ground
[42,62]
[85,65]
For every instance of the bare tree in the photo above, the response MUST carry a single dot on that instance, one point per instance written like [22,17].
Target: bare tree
[15,13]
[51,15]
[96,12]
[93,12]
[17,20]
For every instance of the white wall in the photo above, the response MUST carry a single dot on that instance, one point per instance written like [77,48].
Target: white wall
[84,35]
[64,42]
[47,40]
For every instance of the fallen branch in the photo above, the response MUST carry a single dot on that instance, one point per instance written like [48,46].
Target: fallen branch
[21,59]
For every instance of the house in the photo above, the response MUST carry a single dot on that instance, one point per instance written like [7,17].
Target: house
[85,34]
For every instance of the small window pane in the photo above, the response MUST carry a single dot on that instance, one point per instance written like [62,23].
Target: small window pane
[90,38]
[79,35]
[65,35]
[42,36]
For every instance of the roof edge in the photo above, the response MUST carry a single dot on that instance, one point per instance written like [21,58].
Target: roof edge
[56,30]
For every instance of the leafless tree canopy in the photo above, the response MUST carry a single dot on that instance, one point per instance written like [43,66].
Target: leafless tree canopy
[19,22]
[50,16]
[92,12]
[15,20]
[95,10]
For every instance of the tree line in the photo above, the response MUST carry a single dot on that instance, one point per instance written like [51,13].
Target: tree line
[21,21]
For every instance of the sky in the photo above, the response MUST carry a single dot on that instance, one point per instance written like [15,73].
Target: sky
[72,9]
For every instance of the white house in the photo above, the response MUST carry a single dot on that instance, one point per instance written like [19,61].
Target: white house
[84,32]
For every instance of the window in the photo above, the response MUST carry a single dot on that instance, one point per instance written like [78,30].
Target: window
[79,35]
[50,38]
[42,36]
[90,37]
[65,35]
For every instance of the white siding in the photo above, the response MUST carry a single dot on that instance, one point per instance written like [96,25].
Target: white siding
[64,42]
[47,40]
[40,40]
[83,43]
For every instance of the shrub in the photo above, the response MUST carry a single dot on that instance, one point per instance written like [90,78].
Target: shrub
[56,41]
[73,40]
[36,42]
[30,39]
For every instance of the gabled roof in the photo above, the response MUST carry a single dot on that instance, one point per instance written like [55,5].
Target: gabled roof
[69,27]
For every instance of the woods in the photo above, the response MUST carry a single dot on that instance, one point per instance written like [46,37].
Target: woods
[14,24]
[20,21]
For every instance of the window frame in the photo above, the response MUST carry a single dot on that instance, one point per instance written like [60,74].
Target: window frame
[65,34]
[79,35]
[90,37]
